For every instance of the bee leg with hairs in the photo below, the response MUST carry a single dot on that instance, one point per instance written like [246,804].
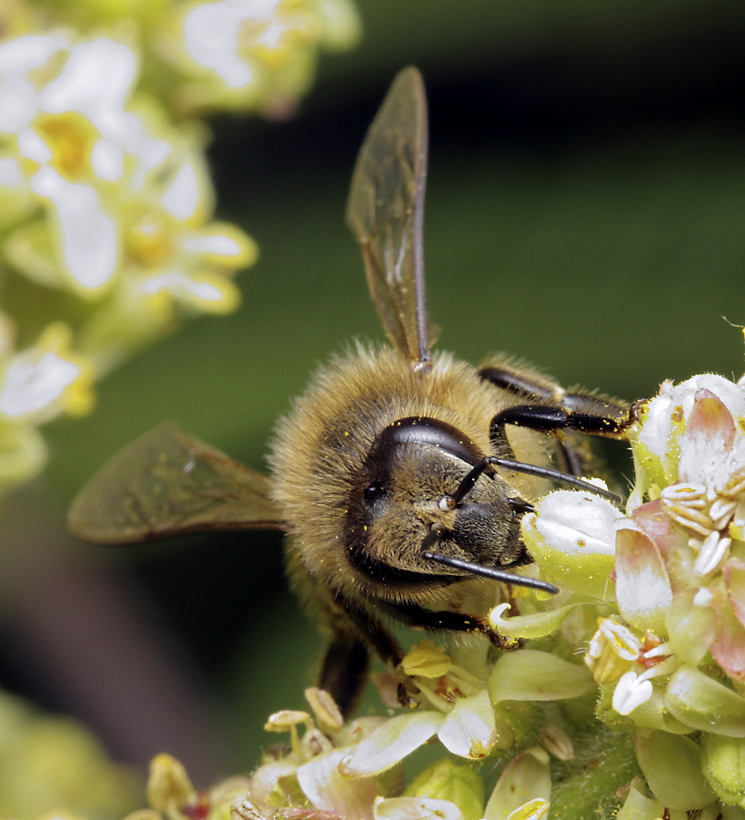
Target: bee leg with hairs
[551,409]
[346,661]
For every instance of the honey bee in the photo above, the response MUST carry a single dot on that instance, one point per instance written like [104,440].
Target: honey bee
[400,476]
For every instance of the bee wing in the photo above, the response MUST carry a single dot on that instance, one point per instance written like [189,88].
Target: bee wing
[168,483]
[385,212]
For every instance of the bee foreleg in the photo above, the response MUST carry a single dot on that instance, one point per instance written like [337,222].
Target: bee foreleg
[548,408]
[445,621]
[547,419]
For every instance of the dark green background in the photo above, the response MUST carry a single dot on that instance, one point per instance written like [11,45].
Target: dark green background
[585,211]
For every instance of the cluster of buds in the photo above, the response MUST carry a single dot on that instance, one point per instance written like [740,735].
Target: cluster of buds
[668,579]
[107,236]
[331,770]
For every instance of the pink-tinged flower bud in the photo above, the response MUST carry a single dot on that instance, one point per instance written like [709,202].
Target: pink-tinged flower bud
[643,585]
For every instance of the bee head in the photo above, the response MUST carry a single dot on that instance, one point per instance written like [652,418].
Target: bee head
[416,463]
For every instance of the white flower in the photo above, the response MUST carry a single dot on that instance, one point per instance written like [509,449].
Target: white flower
[253,54]
[44,380]
[62,133]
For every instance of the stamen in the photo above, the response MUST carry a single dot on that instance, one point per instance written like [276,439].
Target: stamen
[623,641]
[713,552]
[721,511]
[631,691]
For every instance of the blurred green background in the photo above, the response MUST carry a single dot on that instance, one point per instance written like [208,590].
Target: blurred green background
[585,211]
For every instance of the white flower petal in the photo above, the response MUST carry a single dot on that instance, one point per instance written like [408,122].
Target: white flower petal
[32,146]
[631,691]
[107,160]
[578,522]
[212,243]
[33,384]
[89,235]
[19,56]
[211,37]
[17,105]
[470,730]
[328,790]
[183,196]
[10,173]
[97,75]
[391,742]
[180,286]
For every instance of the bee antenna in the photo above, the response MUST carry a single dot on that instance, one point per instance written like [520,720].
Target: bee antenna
[489,572]
[554,475]
[449,502]
[504,577]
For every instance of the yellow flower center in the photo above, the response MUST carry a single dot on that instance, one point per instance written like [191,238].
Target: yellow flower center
[148,240]
[271,41]
[70,137]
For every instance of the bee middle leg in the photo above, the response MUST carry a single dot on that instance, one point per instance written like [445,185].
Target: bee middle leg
[345,665]
[344,671]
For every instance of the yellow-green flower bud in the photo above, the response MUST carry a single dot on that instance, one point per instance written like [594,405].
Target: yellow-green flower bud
[168,787]
[672,767]
[724,767]
[523,788]
[572,537]
[446,780]
[703,703]
[529,674]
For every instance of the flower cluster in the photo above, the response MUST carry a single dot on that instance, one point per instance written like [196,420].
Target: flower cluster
[50,761]
[247,56]
[107,236]
[334,769]
[669,650]
[106,229]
